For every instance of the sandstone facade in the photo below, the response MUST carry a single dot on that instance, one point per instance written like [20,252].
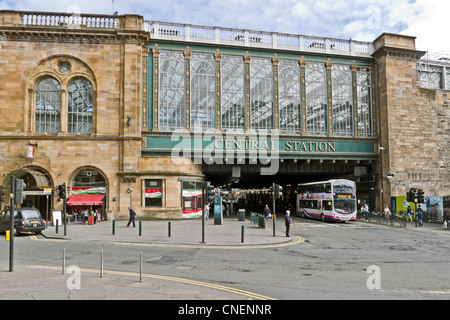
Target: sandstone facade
[111,60]
[414,122]
[411,123]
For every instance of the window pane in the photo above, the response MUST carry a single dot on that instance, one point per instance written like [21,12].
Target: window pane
[203,89]
[364,98]
[153,193]
[232,93]
[171,91]
[290,97]
[80,107]
[261,95]
[316,99]
[429,76]
[48,106]
[342,97]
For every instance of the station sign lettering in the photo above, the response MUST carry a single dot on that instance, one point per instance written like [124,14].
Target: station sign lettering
[270,145]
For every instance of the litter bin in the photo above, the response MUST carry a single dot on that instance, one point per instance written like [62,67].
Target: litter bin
[241,215]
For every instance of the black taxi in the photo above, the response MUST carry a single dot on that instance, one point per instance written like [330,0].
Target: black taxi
[25,220]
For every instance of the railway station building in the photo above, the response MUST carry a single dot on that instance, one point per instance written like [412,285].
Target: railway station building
[131,112]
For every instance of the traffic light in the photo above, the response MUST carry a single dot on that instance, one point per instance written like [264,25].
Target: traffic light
[209,192]
[411,195]
[420,197]
[278,192]
[18,192]
[61,190]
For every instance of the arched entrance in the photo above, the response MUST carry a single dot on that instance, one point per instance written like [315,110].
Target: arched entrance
[38,189]
[88,195]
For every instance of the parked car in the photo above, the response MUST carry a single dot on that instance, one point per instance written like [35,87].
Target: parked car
[25,220]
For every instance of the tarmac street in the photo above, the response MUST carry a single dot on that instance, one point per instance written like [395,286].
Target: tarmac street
[320,261]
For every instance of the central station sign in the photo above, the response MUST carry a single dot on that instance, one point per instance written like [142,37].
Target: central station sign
[271,145]
[227,145]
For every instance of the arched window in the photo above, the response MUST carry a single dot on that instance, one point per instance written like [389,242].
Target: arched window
[48,106]
[80,106]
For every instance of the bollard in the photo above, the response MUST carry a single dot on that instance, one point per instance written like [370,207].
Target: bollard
[101,264]
[7,235]
[57,223]
[64,261]
[140,228]
[140,267]
[113,227]
[273,227]
[170,229]
[242,234]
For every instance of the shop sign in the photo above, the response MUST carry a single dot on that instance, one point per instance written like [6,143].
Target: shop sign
[30,152]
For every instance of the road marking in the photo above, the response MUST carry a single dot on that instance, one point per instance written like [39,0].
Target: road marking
[296,240]
[437,292]
[168,278]
[34,237]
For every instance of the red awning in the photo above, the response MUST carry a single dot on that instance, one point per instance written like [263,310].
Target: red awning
[86,200]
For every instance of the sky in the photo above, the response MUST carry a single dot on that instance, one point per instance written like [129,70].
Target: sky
[362,20]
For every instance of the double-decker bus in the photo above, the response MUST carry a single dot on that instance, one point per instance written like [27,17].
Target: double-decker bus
[332,200]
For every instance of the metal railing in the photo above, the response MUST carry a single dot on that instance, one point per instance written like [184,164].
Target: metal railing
[261,39]
[258,219]
[380,217]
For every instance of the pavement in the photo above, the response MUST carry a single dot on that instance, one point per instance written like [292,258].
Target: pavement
[46,282]
[186,232]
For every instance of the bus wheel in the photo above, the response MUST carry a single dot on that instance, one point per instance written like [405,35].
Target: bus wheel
[322,218]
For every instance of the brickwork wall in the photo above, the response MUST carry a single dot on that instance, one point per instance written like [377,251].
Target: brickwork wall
[414,122]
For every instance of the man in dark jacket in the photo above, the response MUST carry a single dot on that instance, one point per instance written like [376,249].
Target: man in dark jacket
[287,222]
[132,216]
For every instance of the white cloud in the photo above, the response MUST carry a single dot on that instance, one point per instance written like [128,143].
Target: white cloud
[430,25]
[301,10]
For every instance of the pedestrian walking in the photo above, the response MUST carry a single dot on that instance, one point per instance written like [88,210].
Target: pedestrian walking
[446,218]
[206,212]
[267,212]
[287,222]
[387,213]
[420,215]
[365,209]
[409,214]
[132,216]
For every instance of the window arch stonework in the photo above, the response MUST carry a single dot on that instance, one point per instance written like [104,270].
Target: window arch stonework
[64,69]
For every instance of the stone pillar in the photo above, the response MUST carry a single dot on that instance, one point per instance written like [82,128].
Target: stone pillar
[396,59]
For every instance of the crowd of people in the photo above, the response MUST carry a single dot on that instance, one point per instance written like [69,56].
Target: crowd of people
[82,216]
